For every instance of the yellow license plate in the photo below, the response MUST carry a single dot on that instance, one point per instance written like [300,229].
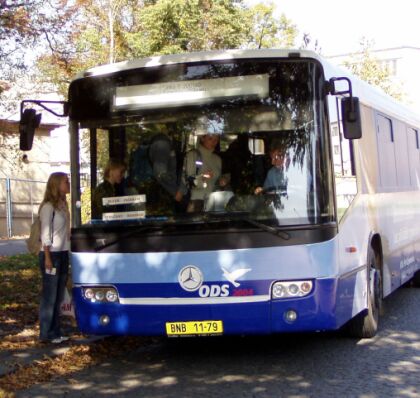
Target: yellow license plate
[194,328]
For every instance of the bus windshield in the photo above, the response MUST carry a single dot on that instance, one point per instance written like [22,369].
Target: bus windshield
[201,143]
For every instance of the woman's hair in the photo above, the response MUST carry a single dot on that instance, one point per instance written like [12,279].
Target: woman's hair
[52,192]
[112,165]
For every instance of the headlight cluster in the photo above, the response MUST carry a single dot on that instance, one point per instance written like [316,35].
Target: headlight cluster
[291,289]
[101,294]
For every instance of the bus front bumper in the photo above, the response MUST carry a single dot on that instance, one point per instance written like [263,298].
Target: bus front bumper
[315,312]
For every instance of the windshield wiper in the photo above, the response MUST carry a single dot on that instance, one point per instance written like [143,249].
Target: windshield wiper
[141,229]
[244,216]
[275,231]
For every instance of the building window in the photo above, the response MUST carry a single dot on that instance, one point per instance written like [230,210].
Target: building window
[336,149]
[390,65]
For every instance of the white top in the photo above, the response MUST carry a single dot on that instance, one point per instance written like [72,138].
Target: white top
[57,237]
[211,162]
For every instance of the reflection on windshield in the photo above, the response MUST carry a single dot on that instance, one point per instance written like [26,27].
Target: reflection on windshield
[255,155]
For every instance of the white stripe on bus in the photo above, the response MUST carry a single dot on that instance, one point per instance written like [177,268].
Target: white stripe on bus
[192,300]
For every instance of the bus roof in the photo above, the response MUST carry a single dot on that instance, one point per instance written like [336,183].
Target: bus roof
[367,94]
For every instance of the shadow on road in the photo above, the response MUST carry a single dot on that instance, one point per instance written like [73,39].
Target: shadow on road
[299,365]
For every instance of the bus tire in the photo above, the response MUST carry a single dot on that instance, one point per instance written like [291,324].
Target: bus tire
[365,324]
[416,279]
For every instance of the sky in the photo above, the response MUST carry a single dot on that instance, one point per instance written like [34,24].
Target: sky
[339,25]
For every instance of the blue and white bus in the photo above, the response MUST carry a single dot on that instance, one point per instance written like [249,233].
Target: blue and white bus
[318,253]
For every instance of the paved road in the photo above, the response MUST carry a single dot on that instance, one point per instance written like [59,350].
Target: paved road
[12,246]
[298,366]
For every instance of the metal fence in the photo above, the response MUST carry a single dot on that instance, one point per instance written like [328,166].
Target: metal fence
[19,202]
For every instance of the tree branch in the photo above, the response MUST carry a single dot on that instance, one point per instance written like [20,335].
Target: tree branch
[5,6]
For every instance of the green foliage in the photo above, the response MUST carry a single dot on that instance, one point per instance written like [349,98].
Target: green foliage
[86,208]
[176,26]
[20,285]
[116,30]
[18,262]
[267,31]
[368,68]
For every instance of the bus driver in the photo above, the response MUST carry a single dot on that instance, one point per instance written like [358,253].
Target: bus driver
[276,179]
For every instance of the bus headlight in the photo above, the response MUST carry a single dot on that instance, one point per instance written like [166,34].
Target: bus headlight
[290,289]
[99,295]
[105,294]
[111,295]
[89,294]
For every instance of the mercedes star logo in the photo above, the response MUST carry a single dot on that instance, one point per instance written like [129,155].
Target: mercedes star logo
[190,278]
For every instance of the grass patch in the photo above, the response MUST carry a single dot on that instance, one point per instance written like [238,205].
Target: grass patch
[20,285]
[18,262]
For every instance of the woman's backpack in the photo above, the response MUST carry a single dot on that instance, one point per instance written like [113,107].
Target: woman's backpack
[33,243]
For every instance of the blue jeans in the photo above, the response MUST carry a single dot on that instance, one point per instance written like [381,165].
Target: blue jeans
[53,287]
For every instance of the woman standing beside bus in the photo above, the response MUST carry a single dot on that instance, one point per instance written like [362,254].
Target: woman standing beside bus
[54,256]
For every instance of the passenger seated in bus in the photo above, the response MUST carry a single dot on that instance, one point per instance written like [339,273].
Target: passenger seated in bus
[113,175]
[153,171]
[275,181]
[245,170]
[202,170]
[163,158]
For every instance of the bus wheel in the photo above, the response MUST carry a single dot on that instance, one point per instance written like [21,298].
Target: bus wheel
[365,324]
[416,279]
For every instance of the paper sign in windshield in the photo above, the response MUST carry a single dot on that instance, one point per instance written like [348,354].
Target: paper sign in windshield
[126,215]
[124,200]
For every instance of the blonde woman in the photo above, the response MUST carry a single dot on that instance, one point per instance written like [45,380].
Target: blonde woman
[54,256]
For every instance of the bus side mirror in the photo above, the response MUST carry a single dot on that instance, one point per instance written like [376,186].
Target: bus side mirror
[350,113]
[29,121]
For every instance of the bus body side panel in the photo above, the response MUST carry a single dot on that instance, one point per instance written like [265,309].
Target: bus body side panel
[151,294]
[395,216]
[391,216]
[389,212]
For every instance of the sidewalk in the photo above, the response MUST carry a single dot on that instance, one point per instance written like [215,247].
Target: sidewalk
[10,247]
[14,359]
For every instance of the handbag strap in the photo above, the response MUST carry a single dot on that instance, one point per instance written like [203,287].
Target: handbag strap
[52,227]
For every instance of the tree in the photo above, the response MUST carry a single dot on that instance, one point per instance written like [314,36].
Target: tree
[267,31]
[368,68]
[14,30]
[106,31]
[14,34]
[176,26]
[27,28]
